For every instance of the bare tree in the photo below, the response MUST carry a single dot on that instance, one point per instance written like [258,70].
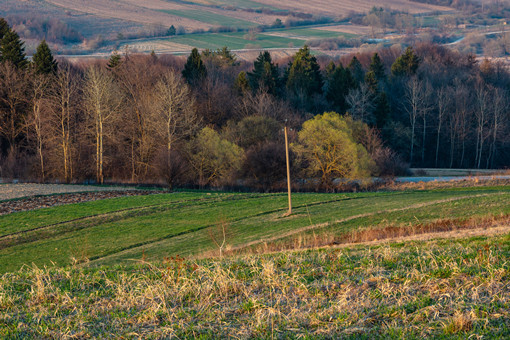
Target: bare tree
[102,101]
[498,109]
[63,98]
[37,118]
[13,99]
[425,110]
[415,98]
[361,104]
[174,117]
[481,113]
[136,78]
[443,104]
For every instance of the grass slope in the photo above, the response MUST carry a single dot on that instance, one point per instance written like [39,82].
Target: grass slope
[117,230]
[437,289]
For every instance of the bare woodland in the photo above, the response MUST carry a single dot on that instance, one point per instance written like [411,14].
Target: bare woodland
[141,121]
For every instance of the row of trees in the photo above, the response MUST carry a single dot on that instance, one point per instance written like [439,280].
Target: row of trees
[213,120]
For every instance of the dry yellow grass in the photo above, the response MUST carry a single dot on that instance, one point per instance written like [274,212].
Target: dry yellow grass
[456,289]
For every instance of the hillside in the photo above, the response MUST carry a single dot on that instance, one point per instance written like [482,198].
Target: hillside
[192,224]
[75,26]
[454,289]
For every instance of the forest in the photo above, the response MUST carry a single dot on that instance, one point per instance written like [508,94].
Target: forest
[211,120]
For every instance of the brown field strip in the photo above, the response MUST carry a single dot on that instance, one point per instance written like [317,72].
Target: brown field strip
[350,218]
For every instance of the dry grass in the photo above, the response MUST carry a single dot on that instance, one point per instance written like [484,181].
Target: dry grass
[442,288]
[444,228]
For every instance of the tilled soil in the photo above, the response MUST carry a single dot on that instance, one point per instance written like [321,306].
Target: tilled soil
[17,190]
[54,199]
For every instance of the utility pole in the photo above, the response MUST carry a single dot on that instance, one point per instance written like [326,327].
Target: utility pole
[288,170]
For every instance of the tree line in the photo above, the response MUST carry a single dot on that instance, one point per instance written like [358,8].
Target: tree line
[212,120]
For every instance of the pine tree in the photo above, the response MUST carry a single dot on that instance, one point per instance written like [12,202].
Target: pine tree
[304,76]
[381,110]
[194,70]
[340,82]
[43,60]
[171,30]
[371,81]
[406,64]
[356,70]
[115,60]
[4,27]
[265,74]
[377,67]
[241,84]
[12,49]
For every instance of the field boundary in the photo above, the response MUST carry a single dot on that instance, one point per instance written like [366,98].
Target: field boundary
[350,218]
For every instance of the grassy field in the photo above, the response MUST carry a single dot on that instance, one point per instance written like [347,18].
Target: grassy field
[210,18]
[273,38]
[119,230]
[234,41]
[451,289]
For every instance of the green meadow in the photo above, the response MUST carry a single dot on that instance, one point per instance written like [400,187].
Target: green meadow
[121,230]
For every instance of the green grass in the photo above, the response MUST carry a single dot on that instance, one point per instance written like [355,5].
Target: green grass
[234,40]
[210,18]
[118,230]
[249,4]
[444,289]
[311,33]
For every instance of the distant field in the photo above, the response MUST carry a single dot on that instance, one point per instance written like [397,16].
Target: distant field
[236,40]
[270,39]
[116,230]
[210,18]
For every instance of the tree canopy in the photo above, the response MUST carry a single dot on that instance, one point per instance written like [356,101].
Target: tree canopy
[12,49]
[265,75]
[194,70]
[304,75]
[326,144]
[406,64]
[43,60]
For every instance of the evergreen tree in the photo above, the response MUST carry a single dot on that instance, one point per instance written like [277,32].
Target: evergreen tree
[377,67]
[115,60]
[171,30]
[12,49]
[340,82]
[194,70]
[241,84]
[4,27]
[304,76]
[356,70]
[406,64]
[381,110]
[43,60]
[372,81]
[265,74]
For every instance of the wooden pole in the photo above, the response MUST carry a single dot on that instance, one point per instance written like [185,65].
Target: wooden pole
[288,171]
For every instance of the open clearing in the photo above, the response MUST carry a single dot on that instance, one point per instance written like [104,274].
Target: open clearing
[394,264]
[119,230]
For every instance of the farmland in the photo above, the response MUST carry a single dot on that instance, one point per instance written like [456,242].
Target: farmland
[103,26]
[453,288]
[154,226]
